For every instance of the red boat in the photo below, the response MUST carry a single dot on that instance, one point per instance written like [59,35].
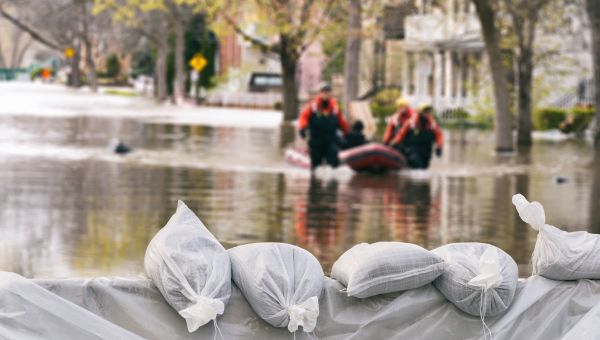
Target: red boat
[372,157]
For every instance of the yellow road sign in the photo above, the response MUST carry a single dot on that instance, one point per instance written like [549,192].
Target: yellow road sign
[69,52]
[198,62]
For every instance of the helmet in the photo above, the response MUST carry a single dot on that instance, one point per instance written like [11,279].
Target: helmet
[325,87]
[401,102]
[425,107]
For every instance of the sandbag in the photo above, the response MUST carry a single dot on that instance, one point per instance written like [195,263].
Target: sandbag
[281,282]
[190,268]
[559,255]
[480,279]
[385,267]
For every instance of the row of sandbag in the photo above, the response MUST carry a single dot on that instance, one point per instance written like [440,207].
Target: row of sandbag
[283,283]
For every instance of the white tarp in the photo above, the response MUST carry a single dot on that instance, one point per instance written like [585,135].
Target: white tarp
[542,309]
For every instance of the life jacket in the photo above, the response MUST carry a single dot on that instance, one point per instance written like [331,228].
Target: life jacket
[399,120]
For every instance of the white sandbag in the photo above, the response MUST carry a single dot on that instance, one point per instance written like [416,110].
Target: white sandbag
[480,279]
[190,268]
[558,254]
[385,267]
[281,282]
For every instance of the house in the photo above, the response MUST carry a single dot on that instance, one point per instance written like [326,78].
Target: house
[437,56]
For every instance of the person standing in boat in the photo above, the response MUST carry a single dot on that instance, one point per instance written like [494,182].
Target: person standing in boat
[402,116]
[320,122]
[417,138]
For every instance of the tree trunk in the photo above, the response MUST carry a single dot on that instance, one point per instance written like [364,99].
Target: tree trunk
[160,70]
[2,62]
[593,12]
[179,83]
[89,63]
[524,101]
[491,37]
[289,62]
[352,58]
[75,76]
[87,45]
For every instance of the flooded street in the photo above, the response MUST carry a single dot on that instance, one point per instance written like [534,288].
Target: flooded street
[70,207]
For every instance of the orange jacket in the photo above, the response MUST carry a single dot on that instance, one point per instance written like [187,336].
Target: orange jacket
[315,106]
[412,124]
[395,123]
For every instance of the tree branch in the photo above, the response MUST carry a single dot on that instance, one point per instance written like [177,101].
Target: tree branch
[35,35]
[317,30]
[259,43]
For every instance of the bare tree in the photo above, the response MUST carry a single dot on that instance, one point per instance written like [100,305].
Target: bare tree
[525,15]
[152,25]
[593,13]
[180,16]
[492,38]
[59,24]
[296,24]
[352,57]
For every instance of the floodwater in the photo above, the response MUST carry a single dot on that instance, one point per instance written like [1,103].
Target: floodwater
[71,208]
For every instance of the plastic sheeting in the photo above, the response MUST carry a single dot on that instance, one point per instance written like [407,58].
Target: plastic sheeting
[542,309]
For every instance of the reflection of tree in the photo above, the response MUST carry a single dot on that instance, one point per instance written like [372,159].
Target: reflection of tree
[114,241]
[522,244]
[318,219]
[116,225]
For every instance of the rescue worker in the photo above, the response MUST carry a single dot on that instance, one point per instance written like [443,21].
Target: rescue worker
[355,137]
[321,119]
[403,115]
[416,139]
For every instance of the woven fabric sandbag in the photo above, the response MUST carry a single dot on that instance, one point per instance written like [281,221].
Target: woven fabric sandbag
[190,268]
[558,254]
[385,267]
[281,282]
[480,279]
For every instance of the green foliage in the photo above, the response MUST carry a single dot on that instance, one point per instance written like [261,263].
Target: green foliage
[483,119]
[335,49]
[113,66]
[548,118]
[200,39]
[334,41]
[142,63]
[383,103]
[123,93]
[37,72]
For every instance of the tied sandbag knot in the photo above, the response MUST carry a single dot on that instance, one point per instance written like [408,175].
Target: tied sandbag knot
[304,314]
[531,213]
[201,312]
[489,277]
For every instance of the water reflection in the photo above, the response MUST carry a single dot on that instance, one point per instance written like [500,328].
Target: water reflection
[94,214]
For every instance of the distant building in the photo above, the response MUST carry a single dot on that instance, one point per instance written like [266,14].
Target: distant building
[240,57]
[433,52]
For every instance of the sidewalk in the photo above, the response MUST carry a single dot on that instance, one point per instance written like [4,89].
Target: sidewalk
[33,99]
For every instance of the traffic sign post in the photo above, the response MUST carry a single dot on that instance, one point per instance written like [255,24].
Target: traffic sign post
[69,52]
[198,62]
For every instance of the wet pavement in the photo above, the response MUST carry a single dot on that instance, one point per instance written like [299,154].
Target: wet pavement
[71,208]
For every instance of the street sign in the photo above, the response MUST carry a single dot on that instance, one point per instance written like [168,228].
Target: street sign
[198,62]
[69,52]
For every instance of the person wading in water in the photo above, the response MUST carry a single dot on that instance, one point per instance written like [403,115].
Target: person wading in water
[320,122]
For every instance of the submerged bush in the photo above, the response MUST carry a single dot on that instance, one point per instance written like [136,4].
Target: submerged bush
[578,120]
[548,118]
[383,103]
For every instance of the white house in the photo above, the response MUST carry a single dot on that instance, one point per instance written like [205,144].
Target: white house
[440,56]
